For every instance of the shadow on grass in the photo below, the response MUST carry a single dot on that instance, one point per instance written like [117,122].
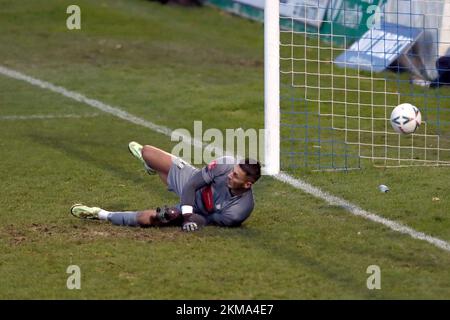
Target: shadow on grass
[281,246]
[100,160]
[81,150]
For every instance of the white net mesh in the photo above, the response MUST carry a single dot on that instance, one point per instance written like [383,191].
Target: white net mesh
[335,115]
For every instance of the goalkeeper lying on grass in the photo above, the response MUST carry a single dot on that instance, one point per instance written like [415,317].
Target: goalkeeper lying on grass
[218,194]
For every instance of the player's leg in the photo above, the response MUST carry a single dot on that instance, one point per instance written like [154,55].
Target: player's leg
[159,160]
[160,217]
[154,159]
[144,218]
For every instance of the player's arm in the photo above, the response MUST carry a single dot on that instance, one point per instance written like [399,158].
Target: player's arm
[230,217]
[188,195]
[200,179]
[190,219]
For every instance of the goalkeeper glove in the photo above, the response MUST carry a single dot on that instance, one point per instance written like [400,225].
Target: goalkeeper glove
[188,223]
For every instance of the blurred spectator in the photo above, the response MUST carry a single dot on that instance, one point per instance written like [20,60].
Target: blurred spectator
[443,68]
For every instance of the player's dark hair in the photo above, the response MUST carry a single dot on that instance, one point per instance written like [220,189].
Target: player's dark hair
[252,169]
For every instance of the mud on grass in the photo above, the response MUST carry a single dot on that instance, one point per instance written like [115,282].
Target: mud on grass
[83,232]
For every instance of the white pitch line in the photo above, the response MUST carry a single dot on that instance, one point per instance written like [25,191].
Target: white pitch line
[296,183]
[83,99]
[49,116]
[357,211]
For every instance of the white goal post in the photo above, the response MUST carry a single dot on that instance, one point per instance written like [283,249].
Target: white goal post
[272,87]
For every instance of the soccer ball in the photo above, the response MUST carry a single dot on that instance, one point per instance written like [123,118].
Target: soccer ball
[405,118]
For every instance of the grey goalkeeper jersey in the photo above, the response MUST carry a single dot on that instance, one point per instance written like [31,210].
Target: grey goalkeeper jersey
[214,199]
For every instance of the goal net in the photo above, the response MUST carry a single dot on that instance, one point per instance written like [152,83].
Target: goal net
[345,64]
